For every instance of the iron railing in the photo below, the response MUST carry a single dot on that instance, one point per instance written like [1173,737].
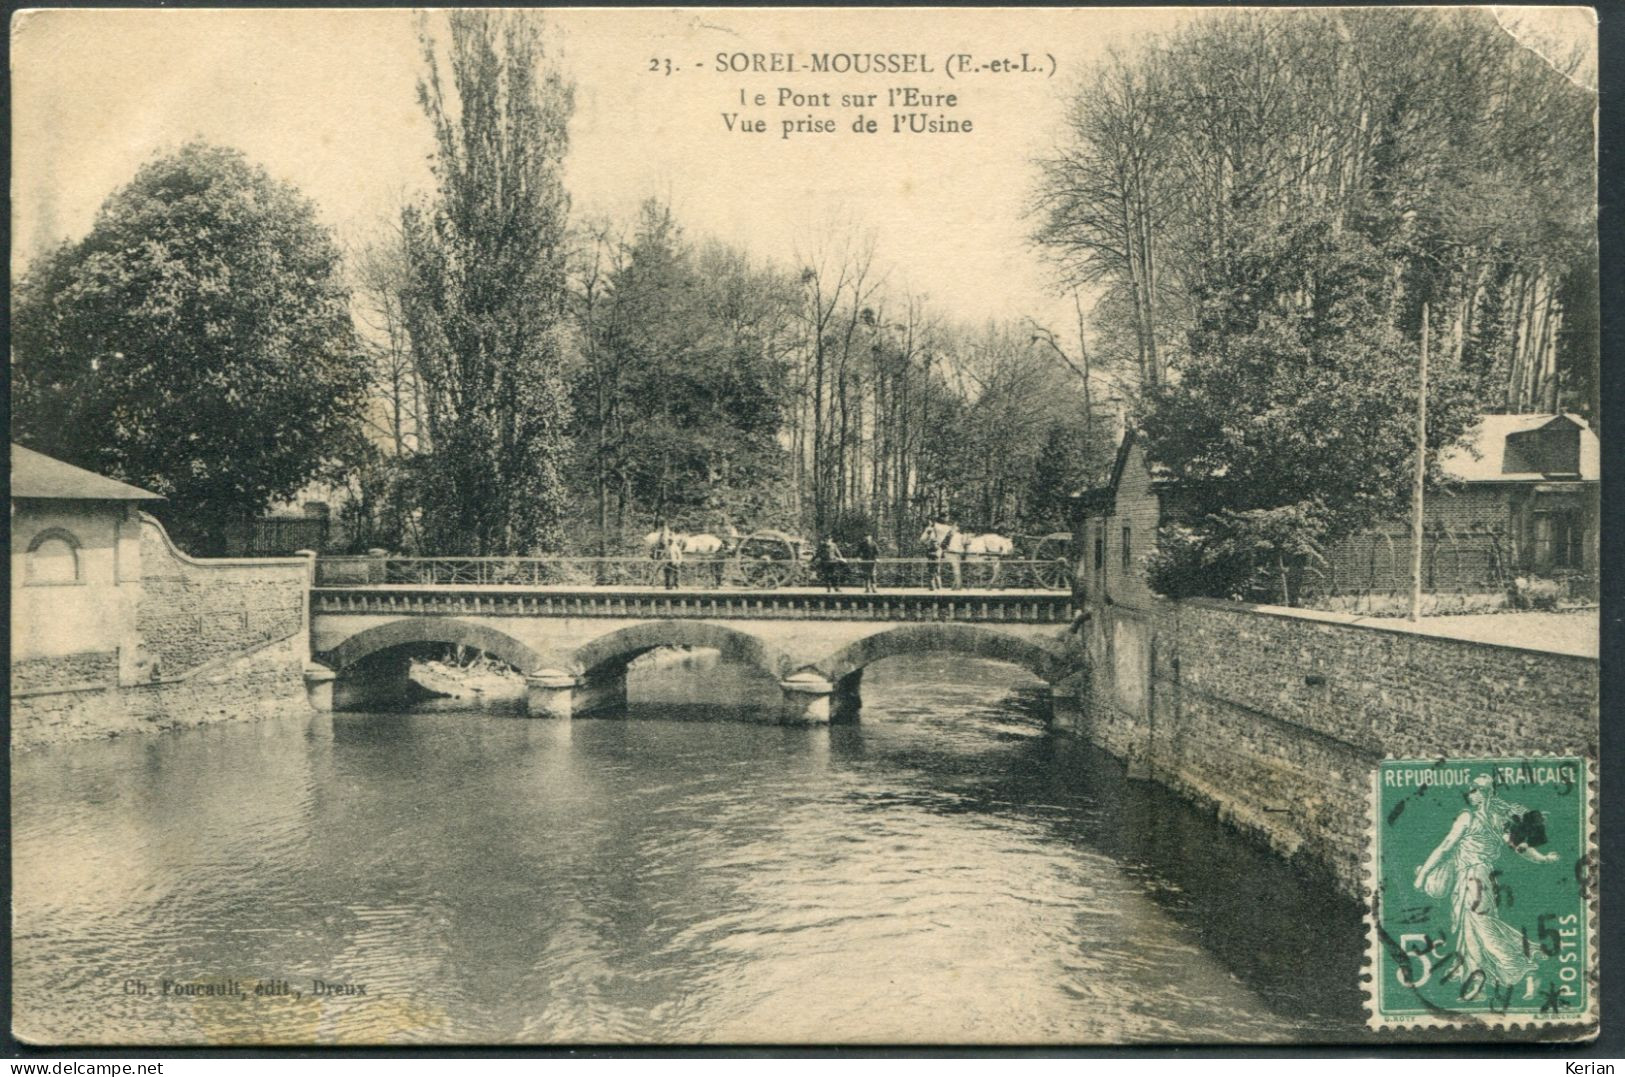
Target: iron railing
[693,573]
[277,536]
[1462,571]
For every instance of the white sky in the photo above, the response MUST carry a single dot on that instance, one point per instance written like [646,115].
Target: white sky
[326,99]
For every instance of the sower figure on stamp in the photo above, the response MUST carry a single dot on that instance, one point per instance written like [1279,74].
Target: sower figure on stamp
[1462,871]
[869,554]
[829,563]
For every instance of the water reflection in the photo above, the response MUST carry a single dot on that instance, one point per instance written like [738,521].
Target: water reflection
[945,871]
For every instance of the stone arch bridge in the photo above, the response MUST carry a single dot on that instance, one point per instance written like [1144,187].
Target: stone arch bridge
[574,646]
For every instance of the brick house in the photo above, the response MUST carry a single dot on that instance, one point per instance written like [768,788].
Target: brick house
[1535,479]
[1521,495]
[1116,524]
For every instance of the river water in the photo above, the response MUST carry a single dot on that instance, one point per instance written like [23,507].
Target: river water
[945,871]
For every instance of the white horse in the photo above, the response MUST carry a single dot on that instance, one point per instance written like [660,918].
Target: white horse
[703,544]
[960,547]
[957,543]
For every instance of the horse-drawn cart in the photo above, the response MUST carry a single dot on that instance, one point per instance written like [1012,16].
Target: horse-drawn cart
[992,560]
[769,559]
[1047,565]
[1038,562]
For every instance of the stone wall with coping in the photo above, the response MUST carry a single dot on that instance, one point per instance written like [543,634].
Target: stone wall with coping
[1273,718]
[194,642]
[195,611]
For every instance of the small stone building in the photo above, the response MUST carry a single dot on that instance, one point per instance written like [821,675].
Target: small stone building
[75,574]
[114,630]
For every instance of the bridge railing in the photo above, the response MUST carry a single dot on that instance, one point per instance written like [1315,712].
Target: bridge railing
[693,573]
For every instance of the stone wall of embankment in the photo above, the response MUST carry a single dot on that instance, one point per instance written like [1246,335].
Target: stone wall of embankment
[1274,718]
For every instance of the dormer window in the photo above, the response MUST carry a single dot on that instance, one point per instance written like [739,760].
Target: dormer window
[1552,449]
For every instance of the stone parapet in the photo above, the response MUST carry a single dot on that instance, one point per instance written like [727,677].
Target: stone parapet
[654,603]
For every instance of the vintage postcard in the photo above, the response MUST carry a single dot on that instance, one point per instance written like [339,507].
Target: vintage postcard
[741,526]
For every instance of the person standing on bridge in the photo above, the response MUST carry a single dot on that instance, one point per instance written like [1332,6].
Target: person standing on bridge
[669,552]
[938,553]
[829,563]
[869,555]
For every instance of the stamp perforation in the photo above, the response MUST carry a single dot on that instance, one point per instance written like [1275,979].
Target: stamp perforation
[1576,1024]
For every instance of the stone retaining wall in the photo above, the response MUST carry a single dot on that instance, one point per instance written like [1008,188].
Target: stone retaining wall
[196,611]
[209,641]
[44,673]
[1274,717]
[267,683]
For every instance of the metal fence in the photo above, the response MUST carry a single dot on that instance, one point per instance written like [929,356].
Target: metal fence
[694,573]
[277,536]
[1462,571]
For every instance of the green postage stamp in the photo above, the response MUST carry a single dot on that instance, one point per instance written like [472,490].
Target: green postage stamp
[1482,893]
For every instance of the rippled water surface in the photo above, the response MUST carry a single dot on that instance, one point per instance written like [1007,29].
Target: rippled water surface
[945,871]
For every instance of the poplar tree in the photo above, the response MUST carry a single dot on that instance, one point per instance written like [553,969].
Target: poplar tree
[486,296]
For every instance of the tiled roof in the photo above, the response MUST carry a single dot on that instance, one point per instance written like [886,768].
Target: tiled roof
[1482,457]
[37,475]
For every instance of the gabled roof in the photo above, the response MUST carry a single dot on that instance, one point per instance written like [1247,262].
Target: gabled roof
[1488,440]
[37,475]
[1121,462]
[1482,457]
[1103,496]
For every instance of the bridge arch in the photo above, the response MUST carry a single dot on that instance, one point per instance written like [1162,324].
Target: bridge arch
[609,654]
[450,630]
[1049,662]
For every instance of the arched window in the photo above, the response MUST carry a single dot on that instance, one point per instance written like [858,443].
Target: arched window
[53,557]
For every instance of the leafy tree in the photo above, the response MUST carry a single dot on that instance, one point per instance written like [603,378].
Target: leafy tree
[1267,200]
[197,342]
[682,392]
[486,297]
[1465,159]
[1067,462]
[1292,422]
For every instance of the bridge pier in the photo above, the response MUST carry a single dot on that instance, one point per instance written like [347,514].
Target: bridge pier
[550,693]
[806,700]
[319,687]
[848,699]
[605,690]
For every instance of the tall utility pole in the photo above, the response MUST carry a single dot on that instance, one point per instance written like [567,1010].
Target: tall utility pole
[1088,398]
[1421,474]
